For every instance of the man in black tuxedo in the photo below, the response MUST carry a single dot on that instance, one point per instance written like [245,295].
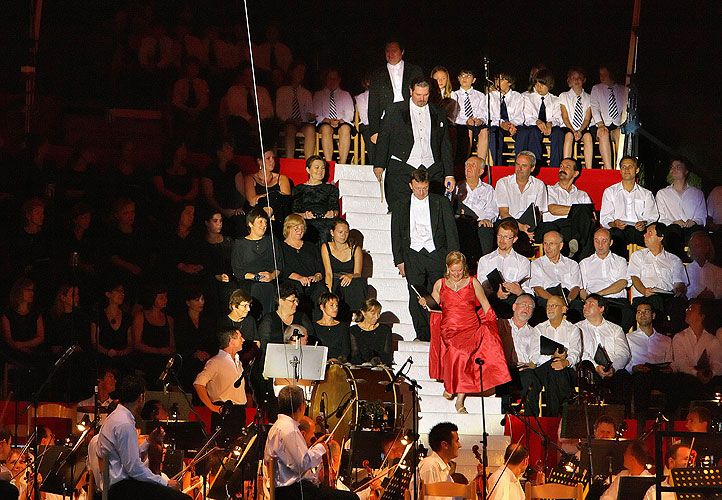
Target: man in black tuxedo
[423,232]
[414,134]
[388,84]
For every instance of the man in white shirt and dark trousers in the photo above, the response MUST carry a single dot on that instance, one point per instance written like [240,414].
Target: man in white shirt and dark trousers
[571,211]
[627,208]
[542,118]
[471,118]
[475,202]
[516,336]
[362,106]
[575,106]
[118,446]
[444,444]
[294,460]
[504,482]
[681,207]
[334,110]
[222,381]
[506,110]
[607,102]
[294,108]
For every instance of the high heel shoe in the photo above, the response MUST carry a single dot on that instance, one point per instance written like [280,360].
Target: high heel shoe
[448,396]
[460,404]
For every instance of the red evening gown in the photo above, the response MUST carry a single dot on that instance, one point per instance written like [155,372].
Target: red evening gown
[459,335]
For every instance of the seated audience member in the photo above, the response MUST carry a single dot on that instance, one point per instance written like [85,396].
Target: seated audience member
[302,265]
[268,189]
[153,336]
[705,278]
[515,269]
[110,331]
[444,99]
[516,335]
[607,102]
[697,356]
[334,110]
[571,211]
[506,108]
[554,372]
[677,457]
[370,341]
[605,274]
[107,378]
[316,200]
[649,348]
[598,332]
[604,427]
[30,251]
[714,209]
[627,208]
[516,192]
[342,264]
[256,262]
[542,118]
[217,250]
[636,459]
[362,106]
[270,328]
[504,482]
[239,305]
[176,181]
[294,108]
[659,276]
[470,119]
[194,332]
[681,207]
[78,181]
[66,323]
[189,98]
[575,107]
[331,332]
[273,56]
[181,251]
[220,189]
[477,203]
[553,269]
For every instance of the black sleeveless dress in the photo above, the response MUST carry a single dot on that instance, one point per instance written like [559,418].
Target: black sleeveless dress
[353,295]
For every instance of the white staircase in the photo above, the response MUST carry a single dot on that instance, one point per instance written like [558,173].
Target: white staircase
[365,211]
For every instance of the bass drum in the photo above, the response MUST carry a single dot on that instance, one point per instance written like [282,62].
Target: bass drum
[374,408]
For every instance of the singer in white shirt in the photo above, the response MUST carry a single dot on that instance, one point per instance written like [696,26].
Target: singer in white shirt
[471,117]
[607,102]
[479,197]
[335,116]
[506,111]
[542,118]
[576,109]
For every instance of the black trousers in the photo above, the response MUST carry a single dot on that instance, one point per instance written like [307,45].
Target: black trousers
[530,137]
[677,237]
[578,225]
[132,489]
[620,312]
[370,146]
[622,237]
[641,384]
[558,384]
[496,144]
[309,491]
[422,268]
[232,423]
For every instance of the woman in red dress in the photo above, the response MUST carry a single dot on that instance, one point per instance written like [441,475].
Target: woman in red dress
[465,334]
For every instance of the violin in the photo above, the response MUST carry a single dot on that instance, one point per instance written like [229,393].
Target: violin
[479,480]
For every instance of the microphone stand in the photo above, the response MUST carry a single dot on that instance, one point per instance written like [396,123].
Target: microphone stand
[487,89]
[484,435]
[414,385]
[185,396]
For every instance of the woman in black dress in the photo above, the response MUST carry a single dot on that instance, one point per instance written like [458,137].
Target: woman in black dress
[175,182]
[370,341]
[239,305]
[220,190]
[153,337]
[217,249]
[255,262]
[342,264]
[277,185]
[22,324]
[331,332]
[110,332]
[302,265]
[316,200]
[194,332]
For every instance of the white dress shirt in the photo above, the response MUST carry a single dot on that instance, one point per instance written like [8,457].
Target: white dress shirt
[362,106]
[686,351]
[396,73]
[481,199]
[228,55]
[568,99]
[420,225]
[150,56]
[197,47]
[293,457]
[506,485]
[237,104]
[708,276]
[218,376]
[630,206]
[599,273]
[433,469]
[514,107]
[557,195]
[118,444]
[612,339]
[344,105]
[284,103]
[600,103]
[613,491]
[513,267]
[509,196]
[421,153]
[714,205]
[262,55]
[655,348]
[181,89]
[651,493]
[478,105]
[566,334]
[656,271]
[532,103]
[688,205]
[523,338]
[92,462]
[546,274]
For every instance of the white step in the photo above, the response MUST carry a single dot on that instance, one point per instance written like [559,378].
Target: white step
[352,187]
[470,423]
[405,330]
[414,347]
[376,241]
[354,172]
[396,311]
[361,221]
[381,265]
[437,404]
[389,288]
[360,204]
[420,358]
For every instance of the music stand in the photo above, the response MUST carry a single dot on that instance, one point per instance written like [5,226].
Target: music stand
[171,399]
[295,362]
[230,470]
[573,421]
[700,482]
[634,487]
[186,436]
[608,456]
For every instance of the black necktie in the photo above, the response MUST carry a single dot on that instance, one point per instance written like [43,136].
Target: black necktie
[274,60]
[503,111]
[250,102]
[542,111]
[192,100]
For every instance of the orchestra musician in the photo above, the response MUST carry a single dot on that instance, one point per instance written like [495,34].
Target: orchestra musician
[504,482]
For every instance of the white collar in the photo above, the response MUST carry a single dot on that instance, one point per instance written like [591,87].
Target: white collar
[418,109]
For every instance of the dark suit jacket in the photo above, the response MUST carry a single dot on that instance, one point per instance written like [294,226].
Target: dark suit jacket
[397,138]
[381,92]
[443,227]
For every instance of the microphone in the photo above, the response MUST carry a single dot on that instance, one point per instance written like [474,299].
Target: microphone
[168,366]
[322,406]
[390,385]
[62,359]
[341,409]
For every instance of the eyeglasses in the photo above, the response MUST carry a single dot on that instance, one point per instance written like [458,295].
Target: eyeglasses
[553,306]
[293,300]
[504,237]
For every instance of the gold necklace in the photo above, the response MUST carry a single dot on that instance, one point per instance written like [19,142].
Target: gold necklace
[456,284]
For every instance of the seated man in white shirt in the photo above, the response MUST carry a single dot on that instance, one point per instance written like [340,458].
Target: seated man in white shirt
[553,269]
[294,108]
[571,211]
[597,331]
[506,108]
[542,118]
[334,110]
[659,277]
[515,193]
[576,110]
[476,204]
[362,106]
[515,269]
[504,482]
[705,279]
[554,372]
[636,460]
[677,457]
[189,100]
[516,336]
[627,208]
[471,116]
[444,444]
[681,207]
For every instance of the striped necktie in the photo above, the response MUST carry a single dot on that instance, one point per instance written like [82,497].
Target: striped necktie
[295,107]
[613,111]
[467,106]
[332,106]
[542,112]
[578,117]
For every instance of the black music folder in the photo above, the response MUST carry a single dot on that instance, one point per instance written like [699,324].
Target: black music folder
[431,304]
[495,279]
[548,346]
[602,358]
[559,292]
[529,217]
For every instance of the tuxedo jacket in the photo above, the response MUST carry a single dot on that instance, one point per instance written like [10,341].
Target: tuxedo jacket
[381,92]
[396,138]
[443,227]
